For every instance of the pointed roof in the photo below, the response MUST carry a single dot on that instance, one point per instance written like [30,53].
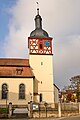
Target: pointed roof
[39,32]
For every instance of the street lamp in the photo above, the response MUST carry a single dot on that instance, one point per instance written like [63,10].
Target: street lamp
[31,96]
[6,92]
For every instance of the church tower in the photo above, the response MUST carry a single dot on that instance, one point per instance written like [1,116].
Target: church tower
[41,62]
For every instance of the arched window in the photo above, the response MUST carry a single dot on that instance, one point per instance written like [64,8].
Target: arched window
[21,91]
[4,91]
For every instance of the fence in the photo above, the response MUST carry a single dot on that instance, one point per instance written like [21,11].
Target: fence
[70,109]
[13,111]
[42,110]
[55,110]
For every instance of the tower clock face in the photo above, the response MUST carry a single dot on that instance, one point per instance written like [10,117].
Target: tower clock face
[47,43]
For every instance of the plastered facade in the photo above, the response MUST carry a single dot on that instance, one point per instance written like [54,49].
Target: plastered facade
[42,67]
[13,90]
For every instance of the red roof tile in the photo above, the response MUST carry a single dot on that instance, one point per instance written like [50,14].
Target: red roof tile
[15,68]
[14,62]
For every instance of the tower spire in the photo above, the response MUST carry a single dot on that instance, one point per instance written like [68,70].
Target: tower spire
[37,11]
[38,32]
[37,8]
[38,19]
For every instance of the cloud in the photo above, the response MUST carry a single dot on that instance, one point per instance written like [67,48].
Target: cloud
[61,19]
[19,29]
[66,59]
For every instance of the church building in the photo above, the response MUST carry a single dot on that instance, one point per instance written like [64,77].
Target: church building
[25,80]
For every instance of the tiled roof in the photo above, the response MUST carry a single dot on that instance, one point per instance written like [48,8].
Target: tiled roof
[15,68]
[14,62]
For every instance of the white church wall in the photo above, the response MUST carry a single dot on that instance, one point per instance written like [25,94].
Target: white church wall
[13,90]
[42,66]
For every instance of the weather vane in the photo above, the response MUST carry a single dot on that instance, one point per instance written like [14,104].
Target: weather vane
[37,8]
[37,4]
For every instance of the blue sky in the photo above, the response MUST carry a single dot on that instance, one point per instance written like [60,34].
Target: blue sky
[4,21]
[60,18]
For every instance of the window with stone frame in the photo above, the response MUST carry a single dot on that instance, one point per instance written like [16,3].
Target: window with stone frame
[4,91]
[21,91]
